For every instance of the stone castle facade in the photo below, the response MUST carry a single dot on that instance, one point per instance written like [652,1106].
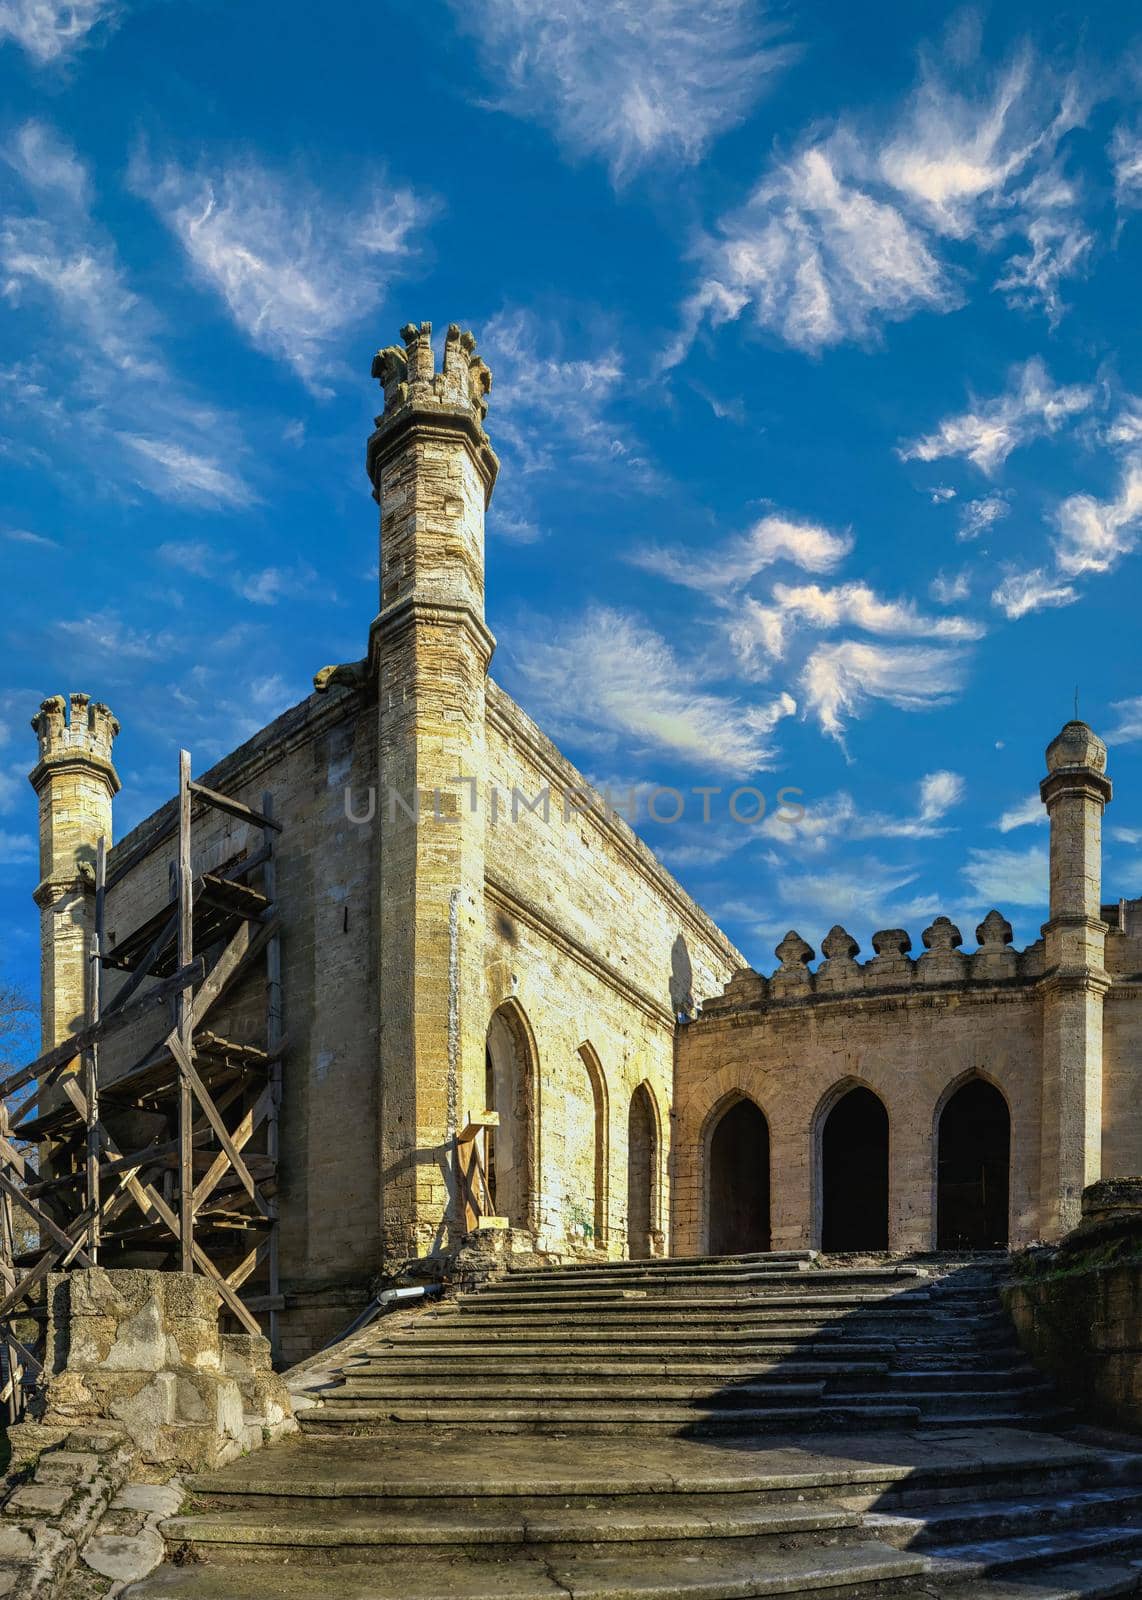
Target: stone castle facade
[467,928]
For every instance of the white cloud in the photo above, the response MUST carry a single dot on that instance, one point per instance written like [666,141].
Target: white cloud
[815,258]
[949,587]
[939,792]
[1126,158]
[23,536]
[46,162]
[271,584]
[549,406]
[1027,814]
[1009,877]
[979,516]
[49,29]
[1126,835]
[987,433]
[941,493]
[1129,724]
[849,230]
[608,681]
[773,538]
[98,346]
[839,679]
[859,606]
[862,891]
[102,634]
[191,555]
[294,269]
[175,473]
[1095,534]
[1022,592]
[1059,247]
[632,81]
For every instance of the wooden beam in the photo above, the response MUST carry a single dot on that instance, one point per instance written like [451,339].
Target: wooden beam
[241,1137]
[248,940]
[222,1132]
[52,1230]
[142,970]
[185,1027]
[233,808]
[66,1052]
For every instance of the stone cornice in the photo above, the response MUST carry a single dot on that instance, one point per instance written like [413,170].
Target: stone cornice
[519,730]
[1082,781]
[397,619]
[871,1001]
[506,900]
[50,891]
[443,422]
[74,760]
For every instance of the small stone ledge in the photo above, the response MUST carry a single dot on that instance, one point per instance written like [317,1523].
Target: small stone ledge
[54,1504]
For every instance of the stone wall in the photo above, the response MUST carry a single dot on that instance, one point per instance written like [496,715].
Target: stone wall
[1078,1310]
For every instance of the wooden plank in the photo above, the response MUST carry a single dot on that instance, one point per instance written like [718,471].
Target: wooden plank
[146,962]
[185,1027]
[234,808]
[49,1227]
[222,1132]
[247,942]
[62,1054]
[241,1137]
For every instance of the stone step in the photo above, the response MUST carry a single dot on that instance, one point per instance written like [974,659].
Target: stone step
[1005,1519]
[729,1345]
[747,1315]
[741,1567]
[635,1302]
[497,1523]
[657,1390]
[541,1365]
[1092,1580]
[665,1265]
[874,1280]
[986,1557]
[540,1416]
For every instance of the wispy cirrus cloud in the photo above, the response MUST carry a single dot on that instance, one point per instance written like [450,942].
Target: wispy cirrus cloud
[1095,534]
[989,430]
[848,231]
[732,564]
[1128,724]
[60,269]
[1126,160]
[980,516]
[49,30]
[609,682]
[1008,877]
[1020,593]
[838,680]
[294,268]
[1028,813]
[838,818]
[627,83]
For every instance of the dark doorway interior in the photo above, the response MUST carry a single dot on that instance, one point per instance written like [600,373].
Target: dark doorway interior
[739,1182]
[973,1146]
[854,1174]
[641,1165]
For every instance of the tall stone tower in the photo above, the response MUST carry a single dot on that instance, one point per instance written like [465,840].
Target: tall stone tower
[75,782]
[1075,791]
[432,471]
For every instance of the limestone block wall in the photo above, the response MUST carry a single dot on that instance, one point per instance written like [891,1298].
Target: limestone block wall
[1122,1077]
[909,1031]
[594,949]
[329,1181]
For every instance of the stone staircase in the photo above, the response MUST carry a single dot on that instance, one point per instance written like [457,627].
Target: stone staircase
[693,1429]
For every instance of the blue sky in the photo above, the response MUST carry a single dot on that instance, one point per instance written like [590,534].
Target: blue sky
[818,389]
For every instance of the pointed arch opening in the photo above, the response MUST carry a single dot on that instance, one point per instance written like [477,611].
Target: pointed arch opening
[973,1160]
[511,1075]
[585,1133]
[642,1174]
[854,1172]
[738,1182]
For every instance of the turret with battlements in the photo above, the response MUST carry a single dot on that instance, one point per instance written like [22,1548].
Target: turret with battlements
[76,783]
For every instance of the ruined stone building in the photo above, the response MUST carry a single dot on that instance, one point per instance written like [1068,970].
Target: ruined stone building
[467,929]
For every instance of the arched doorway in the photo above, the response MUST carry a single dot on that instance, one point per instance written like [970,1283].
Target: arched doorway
[739,1182]
[973,1152]
[642,1174]
[509,1075]
[854,1174]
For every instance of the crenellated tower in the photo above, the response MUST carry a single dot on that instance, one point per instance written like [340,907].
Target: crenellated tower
[76,782]
[1075,792]
[432,470]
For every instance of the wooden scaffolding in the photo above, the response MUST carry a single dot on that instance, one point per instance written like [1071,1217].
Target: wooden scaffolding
[197,1194]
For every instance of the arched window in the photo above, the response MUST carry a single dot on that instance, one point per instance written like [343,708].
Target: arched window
[642,1174]
[973,1152]
[585,1149]
[738,1188]
[510,1071]
[854,1173]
